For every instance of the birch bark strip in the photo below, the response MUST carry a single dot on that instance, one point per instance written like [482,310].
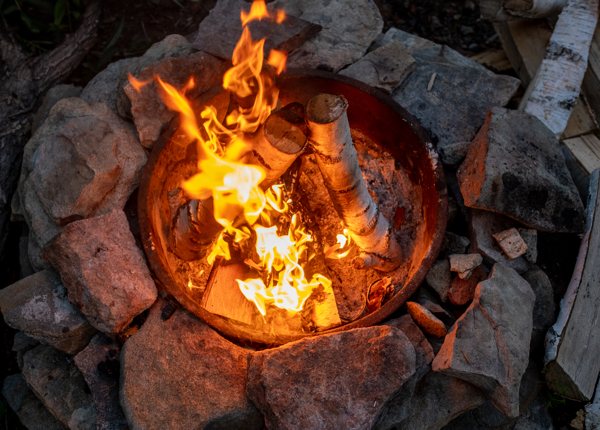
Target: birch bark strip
[554,90]
[338,162]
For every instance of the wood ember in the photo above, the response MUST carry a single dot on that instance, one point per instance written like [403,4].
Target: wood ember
[511,243]
[337,159]
[426,320]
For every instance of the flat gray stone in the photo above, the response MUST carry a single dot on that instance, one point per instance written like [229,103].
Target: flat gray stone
[333,381]
[489,344]
[385,67]
[103,270]
[515,167]
[31,412]
[38,306]
[439,278]
[180,373]
[349,28]
[448,93]
[58,384]
[54,94]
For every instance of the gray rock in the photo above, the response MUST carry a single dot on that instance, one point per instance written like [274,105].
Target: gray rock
[464,264]
[99,365]
[180,373]
[515,167]
[54,94]
[529,235]
[455,243]
[544,309]
[150,114]
[339,380]
[439,278]
[385,67]
[448,93]
[489,344]
[103,269]
[31,412]
[437,400]
[592,412]
[349,28]
[423,349]
[483,226]
[107,86]
[38,306]
[83,161]
[59,385]
[21,344]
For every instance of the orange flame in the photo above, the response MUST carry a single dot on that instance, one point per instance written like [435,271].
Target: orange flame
[247,213]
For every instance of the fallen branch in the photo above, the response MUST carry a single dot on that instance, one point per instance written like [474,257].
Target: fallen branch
[338,162]
[557,84]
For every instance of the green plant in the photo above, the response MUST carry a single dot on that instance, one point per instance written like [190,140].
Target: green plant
[39,25]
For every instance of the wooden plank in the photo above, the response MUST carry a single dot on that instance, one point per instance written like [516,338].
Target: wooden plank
[591,82]
[573,342]
[582,121]
[586,149]
[494,59]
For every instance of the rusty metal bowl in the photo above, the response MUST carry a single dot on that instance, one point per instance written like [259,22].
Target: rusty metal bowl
[372,113]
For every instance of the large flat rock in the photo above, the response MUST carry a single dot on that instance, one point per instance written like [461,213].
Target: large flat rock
[38,306]
[489,344]
[180,373]
[333,381]
[103,270]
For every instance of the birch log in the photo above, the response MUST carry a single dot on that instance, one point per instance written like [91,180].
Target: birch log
[554,90]
[275,146]
[337,159]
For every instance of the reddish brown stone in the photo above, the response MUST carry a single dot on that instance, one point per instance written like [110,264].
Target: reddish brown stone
[426,320]
[462,290]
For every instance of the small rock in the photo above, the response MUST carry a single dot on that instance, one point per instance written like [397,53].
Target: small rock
[511,243]
[21,344]
[54,94]
[439,278]
[104,270]
[529,236]
[180,373]
[462,291]
[483,226]
[592,412]
[150,114]
[455,243]
[437,400]
[426,320]
[31,412]
[423,350]
[305,384]
[59,385]
[452,106]
[82,161]
[99,365]
[107,86]
[384,68]
[434,307]
[544,309]
[489,344]
[38,306]
[349,28]
[463,264]
[515,167]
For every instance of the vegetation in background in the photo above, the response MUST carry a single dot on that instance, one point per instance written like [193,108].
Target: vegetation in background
[40,25]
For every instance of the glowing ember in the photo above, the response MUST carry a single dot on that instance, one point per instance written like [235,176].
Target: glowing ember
[249,215]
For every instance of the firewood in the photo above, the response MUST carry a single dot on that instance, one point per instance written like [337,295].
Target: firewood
[275,147]
[573,342]
[337,159]
[586,149]
[554,90]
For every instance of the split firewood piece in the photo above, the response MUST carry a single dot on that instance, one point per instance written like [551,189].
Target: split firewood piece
[511,243]
[277,144]
[554,90]
[275,147]
[573,342]
[338,162]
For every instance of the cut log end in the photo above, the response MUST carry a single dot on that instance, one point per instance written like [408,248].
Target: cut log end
[326,108]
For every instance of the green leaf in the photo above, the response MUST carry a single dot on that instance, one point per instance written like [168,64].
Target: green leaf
[60,8]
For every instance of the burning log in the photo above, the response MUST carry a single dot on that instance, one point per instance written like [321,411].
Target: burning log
[275,146]
[338,162]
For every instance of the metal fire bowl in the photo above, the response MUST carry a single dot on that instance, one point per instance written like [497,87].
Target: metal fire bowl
[370,112]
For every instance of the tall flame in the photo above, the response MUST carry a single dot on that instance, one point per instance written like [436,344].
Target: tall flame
[248,214]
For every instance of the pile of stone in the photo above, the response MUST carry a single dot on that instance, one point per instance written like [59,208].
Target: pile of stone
[98,348]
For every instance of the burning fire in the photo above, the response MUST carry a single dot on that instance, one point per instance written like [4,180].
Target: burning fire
[248,214]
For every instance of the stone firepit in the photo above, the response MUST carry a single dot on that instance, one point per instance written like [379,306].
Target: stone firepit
[102,343]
